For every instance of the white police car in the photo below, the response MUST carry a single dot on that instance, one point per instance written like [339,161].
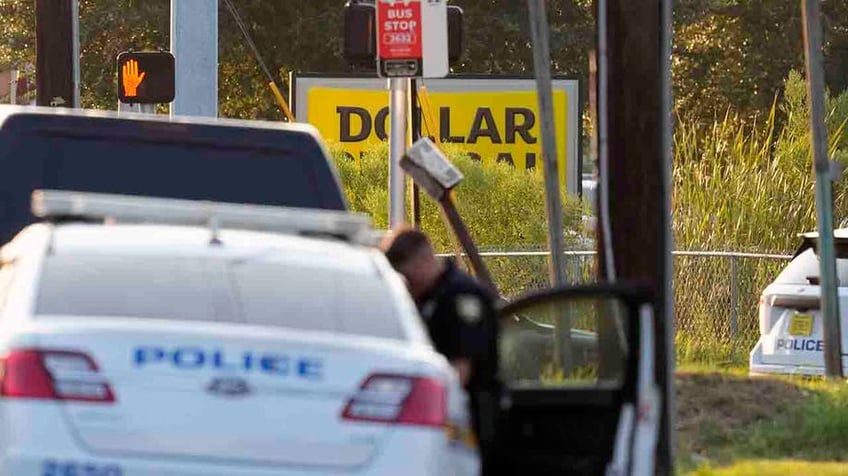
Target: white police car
[791,340]
[184,338]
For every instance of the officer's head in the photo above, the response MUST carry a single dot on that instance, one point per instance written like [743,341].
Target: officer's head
[411,254]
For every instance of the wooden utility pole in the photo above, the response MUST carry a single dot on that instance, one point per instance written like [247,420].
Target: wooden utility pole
[634,106]
[54,43]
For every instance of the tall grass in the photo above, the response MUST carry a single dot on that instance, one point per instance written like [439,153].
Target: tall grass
[502,207]
[743,187]
[738,186]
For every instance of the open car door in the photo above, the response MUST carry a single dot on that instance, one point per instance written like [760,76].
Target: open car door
[584,401]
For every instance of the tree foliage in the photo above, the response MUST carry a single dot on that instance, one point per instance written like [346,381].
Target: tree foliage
[737,53]
[726,52]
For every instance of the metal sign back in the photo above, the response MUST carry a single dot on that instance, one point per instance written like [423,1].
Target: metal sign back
[412,38]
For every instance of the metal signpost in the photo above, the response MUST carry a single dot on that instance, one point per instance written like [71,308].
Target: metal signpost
[412,41]
[542,64]
[824,194]
[540,32]
[13,86]
[76,50]
[399,113]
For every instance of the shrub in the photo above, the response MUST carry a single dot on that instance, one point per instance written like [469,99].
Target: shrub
[504,208]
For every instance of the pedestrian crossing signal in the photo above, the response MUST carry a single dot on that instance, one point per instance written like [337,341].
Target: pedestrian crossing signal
[145,77]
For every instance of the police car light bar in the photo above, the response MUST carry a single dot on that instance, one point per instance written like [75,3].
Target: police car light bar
[60,204]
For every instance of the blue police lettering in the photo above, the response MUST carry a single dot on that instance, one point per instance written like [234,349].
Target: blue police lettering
[802,345]
[62,468]
[275,364]
[145,355]
[192,358]
[219,362]
[310,368]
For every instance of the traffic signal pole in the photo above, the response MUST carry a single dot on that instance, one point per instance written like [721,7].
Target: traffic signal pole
[540,31]
[194,43]
[75,50]
[635,134]
[824,194]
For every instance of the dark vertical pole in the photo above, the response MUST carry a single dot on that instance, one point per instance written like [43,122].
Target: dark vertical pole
[54,40]
[824,194]
[634,99]
[416,134]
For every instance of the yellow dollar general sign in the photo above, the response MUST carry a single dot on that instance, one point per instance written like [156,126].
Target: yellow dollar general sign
[492,119]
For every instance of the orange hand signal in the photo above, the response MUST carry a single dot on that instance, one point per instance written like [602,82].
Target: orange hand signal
[132,78]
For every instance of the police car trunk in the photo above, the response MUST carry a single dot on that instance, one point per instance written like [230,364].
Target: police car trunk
[236,346]
[790,320]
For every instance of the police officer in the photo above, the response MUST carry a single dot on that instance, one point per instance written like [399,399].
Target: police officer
[460,316]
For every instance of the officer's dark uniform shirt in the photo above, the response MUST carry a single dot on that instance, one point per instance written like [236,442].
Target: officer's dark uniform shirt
[461,319]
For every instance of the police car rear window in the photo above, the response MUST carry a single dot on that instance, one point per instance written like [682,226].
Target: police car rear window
[202,289]
[804,269]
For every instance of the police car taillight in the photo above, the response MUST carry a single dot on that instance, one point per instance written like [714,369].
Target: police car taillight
[399,399]
[52,375]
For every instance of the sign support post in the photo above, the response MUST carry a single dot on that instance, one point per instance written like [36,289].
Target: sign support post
[403,53]
[824,194]
[76,50]
[13,87]
[398,95]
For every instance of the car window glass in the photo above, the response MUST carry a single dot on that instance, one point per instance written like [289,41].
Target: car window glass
[303,297]
[194,289]
[570,341]
[806,265]
[159,287]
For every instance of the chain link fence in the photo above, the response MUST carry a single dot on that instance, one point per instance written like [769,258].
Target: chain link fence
[715,295]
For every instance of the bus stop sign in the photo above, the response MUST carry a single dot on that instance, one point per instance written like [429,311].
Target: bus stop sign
[412,38]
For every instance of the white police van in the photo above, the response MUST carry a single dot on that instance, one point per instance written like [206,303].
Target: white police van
[194,338]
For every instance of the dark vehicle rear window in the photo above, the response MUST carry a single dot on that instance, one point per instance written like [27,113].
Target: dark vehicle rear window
[160,159]
[260,292]
[806,265]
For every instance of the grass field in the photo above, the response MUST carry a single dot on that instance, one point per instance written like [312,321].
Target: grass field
[776,468]
[730,424]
